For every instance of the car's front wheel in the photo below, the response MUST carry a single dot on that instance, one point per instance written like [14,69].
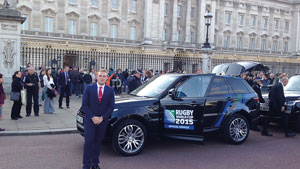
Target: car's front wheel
[236,129]
[129,137]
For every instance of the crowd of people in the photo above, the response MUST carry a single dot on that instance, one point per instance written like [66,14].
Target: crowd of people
[44,84]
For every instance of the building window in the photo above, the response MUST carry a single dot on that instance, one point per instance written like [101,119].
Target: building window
[240,43]
[94,29]
[263,44]
[216,17]
[192,37]
[132,33]
[114,31]
[265,23]
[94,3]
[276,24]
[253,21]
[192,12]
[178,36]
[275,45]
[49,24]
[228,18]
[286,47]
[165,34]
[241,20]
[252,43]
[72,26]
[25,24]
[166,9]
[287,26]
[73,1]
[133,6]
[227,42]
[179,11]
[115,4]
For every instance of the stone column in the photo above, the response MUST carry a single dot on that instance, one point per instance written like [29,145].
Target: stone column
[147,21]
[201,31]
[295,41]
[206,59]
[10,43]
[188,22]
[174,21]
[161,20]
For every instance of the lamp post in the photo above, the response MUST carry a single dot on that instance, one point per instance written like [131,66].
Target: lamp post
[208,16]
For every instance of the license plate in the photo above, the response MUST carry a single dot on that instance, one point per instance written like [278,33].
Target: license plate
[79,119]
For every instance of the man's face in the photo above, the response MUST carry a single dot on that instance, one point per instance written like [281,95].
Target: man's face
[101,77]
[138,75]
[30,71]
[285,82]
[67,69]
[271,75]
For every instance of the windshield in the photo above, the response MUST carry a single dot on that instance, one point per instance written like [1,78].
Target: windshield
[155,86]
[293,84]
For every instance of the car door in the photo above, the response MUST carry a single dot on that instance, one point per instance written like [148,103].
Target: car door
[217,103]
[183,114]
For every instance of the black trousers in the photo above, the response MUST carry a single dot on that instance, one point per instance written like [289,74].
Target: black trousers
[64,90]
[32,94]
[284,119]
[16,109]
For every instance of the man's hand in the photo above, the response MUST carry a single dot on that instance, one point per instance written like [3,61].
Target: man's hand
[282,109]
[29,84]
[97,120]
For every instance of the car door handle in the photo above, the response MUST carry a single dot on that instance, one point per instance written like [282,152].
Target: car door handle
[229,99]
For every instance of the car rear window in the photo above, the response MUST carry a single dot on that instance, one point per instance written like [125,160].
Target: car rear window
[219,86]
[238,86]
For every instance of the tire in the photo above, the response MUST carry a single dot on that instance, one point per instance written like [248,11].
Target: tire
[236,124]
[129,137]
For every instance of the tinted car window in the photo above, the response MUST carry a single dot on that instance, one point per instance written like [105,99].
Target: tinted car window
[194,87]
[237,86]
[219,86]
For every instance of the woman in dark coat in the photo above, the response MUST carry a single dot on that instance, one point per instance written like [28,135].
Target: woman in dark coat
[16,86]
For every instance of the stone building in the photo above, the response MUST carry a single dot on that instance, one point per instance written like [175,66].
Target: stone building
[159,34]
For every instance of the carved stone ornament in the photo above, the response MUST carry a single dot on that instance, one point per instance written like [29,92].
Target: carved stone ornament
[9,54]
[10,4]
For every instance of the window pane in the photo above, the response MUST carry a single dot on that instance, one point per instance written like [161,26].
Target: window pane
[179,10]
[94,29]
[178,36]
[237,86]
[73,1]
[241,20]
[25,24]
[189,89]
[133,6]
[192,37]
[49,24]
[287,26]
[276,24]
[114,31]
[265,23]
[263,44]
[166,9]
[253,21]
[219,87]
[192,12]
[132,33]
[94,3]
[165,34]
[114,4]
[228,18]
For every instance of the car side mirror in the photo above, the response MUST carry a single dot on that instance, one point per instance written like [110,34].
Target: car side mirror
[171,93]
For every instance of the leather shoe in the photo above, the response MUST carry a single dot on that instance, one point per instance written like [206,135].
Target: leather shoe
[95,167]
[27,115]
[68,107]
[61,108]
[255,128]
[1,129]
[265,133]
[290,134]
[20,117]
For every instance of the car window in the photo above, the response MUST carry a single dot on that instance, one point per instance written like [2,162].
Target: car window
[237,86]
[194,87]
[219,86]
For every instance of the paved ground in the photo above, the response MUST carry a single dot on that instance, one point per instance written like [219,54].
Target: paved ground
[62,120]
[65,152]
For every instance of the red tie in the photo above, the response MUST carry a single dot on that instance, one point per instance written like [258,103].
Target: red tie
[100,94]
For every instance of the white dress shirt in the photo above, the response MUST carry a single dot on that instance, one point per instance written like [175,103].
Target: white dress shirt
[98,88]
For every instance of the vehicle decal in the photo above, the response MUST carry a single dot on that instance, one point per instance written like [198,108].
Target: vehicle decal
[179,119]
[223,114]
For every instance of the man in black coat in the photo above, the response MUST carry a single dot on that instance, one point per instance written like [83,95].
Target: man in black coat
[257,88]
[276,106]
[64,82]
[135,81]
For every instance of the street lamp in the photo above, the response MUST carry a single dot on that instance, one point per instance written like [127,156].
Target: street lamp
[208,16]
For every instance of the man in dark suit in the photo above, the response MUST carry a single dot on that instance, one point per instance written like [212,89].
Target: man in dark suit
[64,84]
[276,106]
[98,103]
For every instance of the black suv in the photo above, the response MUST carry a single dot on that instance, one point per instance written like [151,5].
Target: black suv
[292,104]
[181,106]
